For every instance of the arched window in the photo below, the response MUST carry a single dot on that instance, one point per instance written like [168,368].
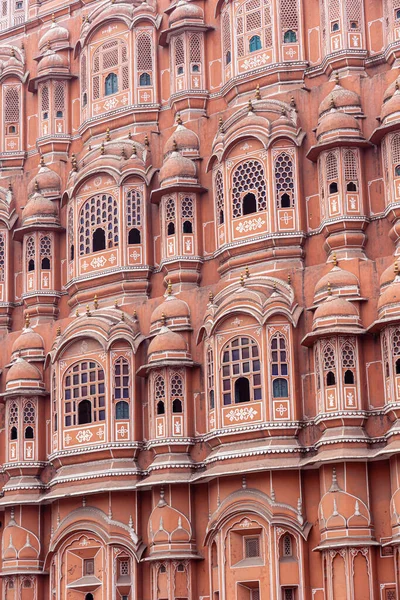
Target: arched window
[187,227]
[29,433]
[329,364]
[330,378]
[210,378]
[290,37]
[170,216]
[187,214]
[89,597]
[397,171]
[397,15]
[179,56]
[98,240]
[249,204]
[214,555]
[159,393]
[396,350]
[255,43]
[279,366]
[350,170]
[160,408]
[333,187]
[84,380]
[122,410]
[226,37]
[332,173]
[177,406]
[348,377]
[287,546]
[2,256]
[13,421]
[240,360]
[195,56]
[14,433]
[228,57]
[248,179]
[134,236]
[284,180]
[12,108]
[30,253]
[71,234]
[111,84]
[83,80]
[99,212]
[45,252]
[29,413]
[335,26]
[219,197]
[144,79]
[348,363]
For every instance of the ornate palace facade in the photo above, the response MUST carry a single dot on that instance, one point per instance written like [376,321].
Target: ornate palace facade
[200,299]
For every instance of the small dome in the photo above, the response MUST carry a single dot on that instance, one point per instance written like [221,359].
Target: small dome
[183,140]
[337,122]
[342,99]
[390,296]
[339,281]
[124,148]
[336,307]
[38,206]
[172,309]
[392,106]
[22,371]
[48,182]
[167,341]
[388,274]
[391,89]
[177,167]
[52,60]
[186,11]
[28,342]
[55,35]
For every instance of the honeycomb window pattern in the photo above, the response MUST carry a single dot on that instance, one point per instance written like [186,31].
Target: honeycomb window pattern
[248,177]
[284,179]
[99,211]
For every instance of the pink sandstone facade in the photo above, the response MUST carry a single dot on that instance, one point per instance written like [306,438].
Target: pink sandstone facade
[200,299]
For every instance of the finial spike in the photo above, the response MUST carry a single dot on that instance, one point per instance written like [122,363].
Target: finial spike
[211,297]
[242,279]
[247,271]
[250,105]
[329,288]
[58,331]
[96,302]
[179,119]
[88,313]
[169,288]
[134,151]
[27,321]
[163,319]
[146,140]
[334,259]
[258,93]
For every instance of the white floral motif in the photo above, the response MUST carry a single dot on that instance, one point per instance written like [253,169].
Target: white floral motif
[122,431]
[98,261]
[85,435]
[250,225]
[241,414]
[257,61]
[112,103]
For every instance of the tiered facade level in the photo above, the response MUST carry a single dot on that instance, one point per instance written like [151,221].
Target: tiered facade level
[200,299]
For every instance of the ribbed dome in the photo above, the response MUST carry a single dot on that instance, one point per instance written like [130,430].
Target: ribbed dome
[171,309]
[337,279]
[167,341]
[388,275]
[391,295]
[338,122]
[186,11]
[391,89]
[55,35]
[28,340]
[22,370]
[52,60]
[342,99]
[39,206]
[48,182]
[182,139]
[335,307]
[177,167]
[392,106]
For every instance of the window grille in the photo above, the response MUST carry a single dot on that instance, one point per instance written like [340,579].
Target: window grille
[248,177]
[252,547]
[82,381]
[284,178]
[350,166]
[45,98]
[100,210]
[329,357]
[133,208]
[144,50]
[124,568]
[240,358]
[59,96]
[219,196]
[11,104]
[331,166]
[29,413]
[121,379]
[2,257]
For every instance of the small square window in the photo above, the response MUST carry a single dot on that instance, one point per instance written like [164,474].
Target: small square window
[88,566]
[252,547]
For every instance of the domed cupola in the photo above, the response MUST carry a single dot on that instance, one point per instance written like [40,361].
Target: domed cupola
[177,169]
[186,13]
[29,345]
[40,211]
[338,282]
[48,182]
[53,63]
[56,37]
[23,376]
[345,100]
[391,109]
[173,312]
[389,300]
[337,125]
[168,347]
[183,140]
[388,275]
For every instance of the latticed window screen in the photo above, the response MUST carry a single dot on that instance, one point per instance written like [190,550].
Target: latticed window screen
[82,381]
[111,57]
[14,414]
[2,256]
[159,388]
[395,147]
[396,342]
[219,196]
[144,47]
[350,166]
[240,358]
[334,10]
[252,547]
[390,594]
[248,177]
[29,413]
[84,73]
[59,96]
[99,211]
[317,368]
[70,232]
[255,594]
[11,104]
[45,101]
[353,14]
[289,594]
[134,208]
[331,167]
[179,52]
[210,377]
[45,247]
[195,48]
[289,14]
[253,17]
[124,568]
[348,356]
[187,210]
[30,249]
[176,386]
[287,545]
[121,379]
[284,178]
[226,37]
[329,358]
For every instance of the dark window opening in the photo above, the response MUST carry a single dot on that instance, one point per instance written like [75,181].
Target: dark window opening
[398,14]
[89,597]
[354,25]
[111,84]
[255,43]
[14,433]
[180,70]
[335,26]
[171,228]
[290,37]
[12,129]
[99,240]
[45,263]
[349,377]
[228,57]
[397,171]
[181,568]
[285,201]
[29,433]
[221,217]
[122,410]
[212,399]
[333,187]
[195,69]
[145,79]
[351,187]
[84,412]
[187,227]
[398,366]
[242,390]
[59,114]
[163,569]
[330,378]
[280,388]
[160,408]
[84,99]
[249,204]
[31,265]
[134,236]
[177,406]
[45,116]
[72,252]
